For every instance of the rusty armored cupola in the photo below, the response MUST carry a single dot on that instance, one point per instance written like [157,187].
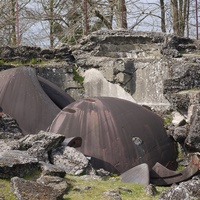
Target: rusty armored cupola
[33,101]
[116,134]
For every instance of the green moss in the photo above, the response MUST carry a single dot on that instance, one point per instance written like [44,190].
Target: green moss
[34,61]
[16,63]
[180,156]
[6,192]
[77,77]
[168,119]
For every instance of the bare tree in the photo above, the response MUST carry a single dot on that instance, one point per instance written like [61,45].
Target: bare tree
[10,16]
[180,11]
[162,9]
[121,13]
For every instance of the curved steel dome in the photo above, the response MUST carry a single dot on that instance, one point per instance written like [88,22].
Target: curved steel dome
[116,134]
[33,101]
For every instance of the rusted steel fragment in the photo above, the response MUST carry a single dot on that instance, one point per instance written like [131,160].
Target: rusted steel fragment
[73,142]
[138,174]
[117,134]
[160,175]
[22,97]
[59,97]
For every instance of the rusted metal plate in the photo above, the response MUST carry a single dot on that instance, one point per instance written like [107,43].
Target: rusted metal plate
[138,174]
[117,134]
[160,175]
[59,97]
[22,97]
[73,142]
[159,170]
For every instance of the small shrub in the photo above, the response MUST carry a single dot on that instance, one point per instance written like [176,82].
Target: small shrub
[77,77]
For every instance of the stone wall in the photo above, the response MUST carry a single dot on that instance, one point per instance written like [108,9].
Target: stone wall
[139,62]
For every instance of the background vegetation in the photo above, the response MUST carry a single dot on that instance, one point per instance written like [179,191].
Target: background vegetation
[46,23]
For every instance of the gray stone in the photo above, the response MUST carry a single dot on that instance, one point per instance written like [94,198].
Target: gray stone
[178,119]
[39,152]
[180,134]
[40,144]
[9,135]
[123,189]
[56,183]
[112,195]
[193,139]
[150,190]
[69,159]
[96,85]
[4,146]
[16,163]
[9,128]
[188,80]
[101,172]
[46,139]
[30,190]
[51,170]
[188,190]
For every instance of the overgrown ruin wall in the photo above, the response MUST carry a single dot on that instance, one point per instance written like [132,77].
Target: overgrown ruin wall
[137,61]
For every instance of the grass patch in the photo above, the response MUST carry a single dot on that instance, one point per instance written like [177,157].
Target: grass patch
[82,189]
[5,190]
[33,61]
[1,62]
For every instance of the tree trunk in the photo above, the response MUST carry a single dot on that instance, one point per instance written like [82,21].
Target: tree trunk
[162,8]
[13,14]
[181,19]
[51,22]
[121,13]
[187,18]
[86,24]
[180,13]
[175,16]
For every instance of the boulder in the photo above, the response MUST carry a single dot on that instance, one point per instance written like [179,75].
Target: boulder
[150,190]
[193,139]
[112,195]
[4,146]
[41,144]
[30,190]
[17,163]
[96,85]
[180,134]
[45,139]
[178,119]
[9,128]
[51,170]
[183,84]
[56,183]
[186,190]
[69,159]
